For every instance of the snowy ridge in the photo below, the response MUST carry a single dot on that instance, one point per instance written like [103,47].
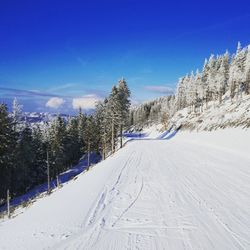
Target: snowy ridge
[214,116]
[226,115]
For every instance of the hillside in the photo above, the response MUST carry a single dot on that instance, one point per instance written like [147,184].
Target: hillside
[218,96]
[214,116]
[190,192]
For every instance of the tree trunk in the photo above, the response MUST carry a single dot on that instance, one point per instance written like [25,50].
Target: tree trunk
[220,97]
[112,137]
[8,203]
[88,154]
[104,145]
[57,181]
[237,93]
[48,173]
[103,151]
[121,128]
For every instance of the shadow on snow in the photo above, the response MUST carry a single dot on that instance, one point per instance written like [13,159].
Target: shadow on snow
[166,135]
[63,178]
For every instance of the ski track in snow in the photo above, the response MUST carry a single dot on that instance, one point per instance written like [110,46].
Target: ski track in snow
[150,195]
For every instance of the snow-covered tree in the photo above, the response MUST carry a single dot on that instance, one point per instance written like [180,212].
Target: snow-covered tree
[180,94]
[102,121]
[236,72]
[17,114]
[123,96]
[81,123]
[221,76]
[247,71]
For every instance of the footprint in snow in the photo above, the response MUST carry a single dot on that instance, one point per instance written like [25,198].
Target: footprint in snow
[65,236]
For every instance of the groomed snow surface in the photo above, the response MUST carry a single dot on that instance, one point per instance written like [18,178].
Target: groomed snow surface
[190,192]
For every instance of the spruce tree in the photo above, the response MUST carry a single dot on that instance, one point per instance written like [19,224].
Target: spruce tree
[123,95]
[57,142]
[17,114]
[103,122]
[7,147]
[39,166]
[81,121]
[73,144]
[25,156]
[114,114]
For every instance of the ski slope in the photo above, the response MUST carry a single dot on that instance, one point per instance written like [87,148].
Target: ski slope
[190,192]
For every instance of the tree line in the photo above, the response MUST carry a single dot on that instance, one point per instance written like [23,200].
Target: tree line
[222,77]
[26,151]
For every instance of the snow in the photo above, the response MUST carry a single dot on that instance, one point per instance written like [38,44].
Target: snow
[153,131]
[189,192]
[225,115]
[62,178]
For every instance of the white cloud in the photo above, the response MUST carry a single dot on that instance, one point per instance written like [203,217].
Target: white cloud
[160,89]
[85,102]
[55,102]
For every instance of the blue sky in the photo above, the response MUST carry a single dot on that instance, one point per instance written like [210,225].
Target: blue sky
[55,55]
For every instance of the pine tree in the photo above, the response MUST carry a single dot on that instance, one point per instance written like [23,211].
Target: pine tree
[114,112]
[57,142]
[247,72]
[81,120]
[72,143]
[39,166]
[198,90]
[123,95]
[204,74]
[17,114]
[7,147]
[180,94]
[223,75]
[25,156]
[90,137]
[102,125]
[236,72]
[211,77]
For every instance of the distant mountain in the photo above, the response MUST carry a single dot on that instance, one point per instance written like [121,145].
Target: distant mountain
[33,118]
